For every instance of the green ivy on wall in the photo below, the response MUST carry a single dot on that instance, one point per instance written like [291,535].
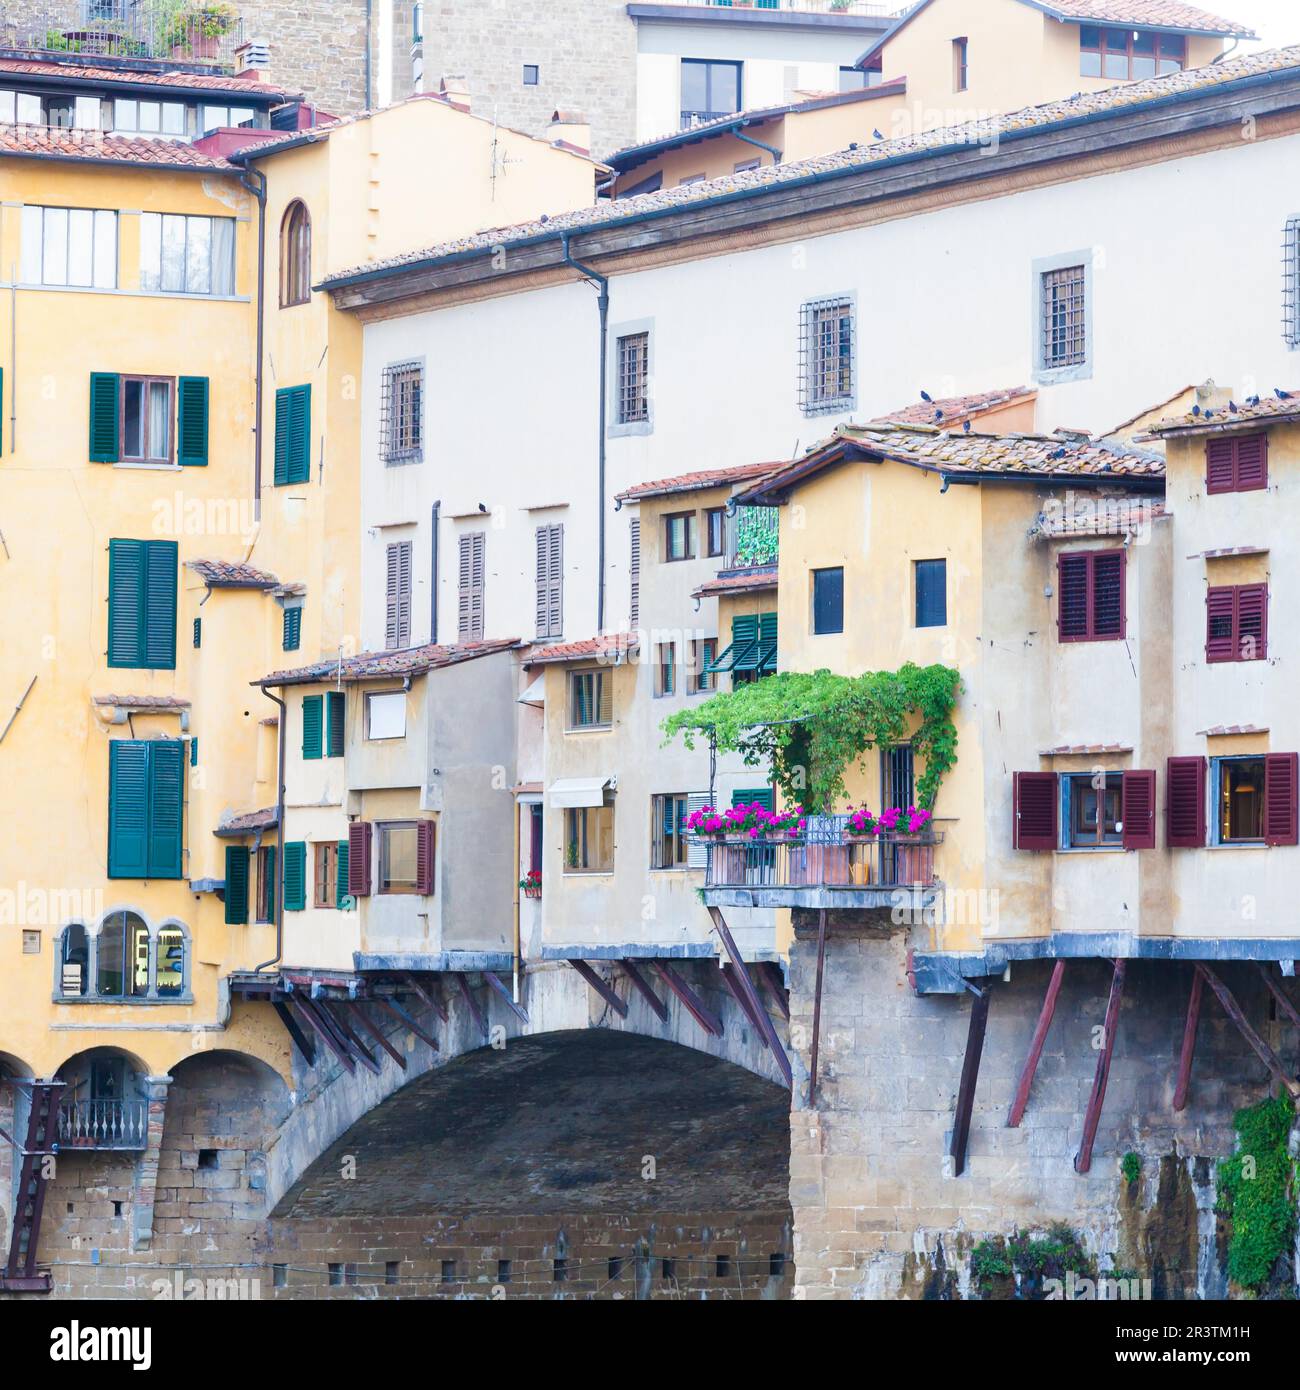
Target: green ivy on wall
[1257,1190]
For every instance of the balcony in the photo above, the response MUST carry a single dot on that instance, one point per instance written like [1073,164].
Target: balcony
[825,868]
[857,9]
[103,1124]
[204,31]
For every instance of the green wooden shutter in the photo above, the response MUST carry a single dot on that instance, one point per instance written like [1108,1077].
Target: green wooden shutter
[126,570]
[311,726]
[103,417]
[198,632]
[295,876]
[747,797]
[292,629]
[166,807]
[128,808]
[292,435]
[192,426]
[334,711]
[160,605]
[194,752]
[237,884]
[768,641]
[342,898]
[281,437]
[270,883]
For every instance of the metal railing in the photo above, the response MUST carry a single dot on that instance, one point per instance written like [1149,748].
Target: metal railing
[103,1124]
[189,31]
[825,858]
[849,7]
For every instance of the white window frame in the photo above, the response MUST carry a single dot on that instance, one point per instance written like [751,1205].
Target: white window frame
[44,245]
[386,703]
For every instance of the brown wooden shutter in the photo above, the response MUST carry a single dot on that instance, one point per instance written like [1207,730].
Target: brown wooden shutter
[1138,809]
[1185,803]
[1036,810]
[634,569]
[1108,594]
[470,593]
[424,836]
[1220,620]
[1280,780]
[360,836]
[1252,462]
[1072,591]
[397,622]
[605,703]
[1251,626]
[1219,465]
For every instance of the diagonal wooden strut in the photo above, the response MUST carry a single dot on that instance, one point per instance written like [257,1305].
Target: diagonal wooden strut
[467,994]
[642,987]
[752,1004]
[359,1050]
[331,1039]
[1261,1049]
[302,1040]
[1275,989]
[20,1274]
[690,1001]
[1189,1041]
[599,987]
[970,1071]
[403,1016]
[497,984]
[1092,1116]
[1036,1045]
[373,1030]
[430,997]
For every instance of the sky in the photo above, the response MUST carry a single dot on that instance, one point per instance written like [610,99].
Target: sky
[1277,22]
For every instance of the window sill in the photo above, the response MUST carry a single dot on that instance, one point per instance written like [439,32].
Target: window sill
[133,1002]
[1092,849]
[592,729]
[1243,844]
[587,873]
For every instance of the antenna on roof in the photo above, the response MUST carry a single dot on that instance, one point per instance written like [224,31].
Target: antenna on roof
[499,161]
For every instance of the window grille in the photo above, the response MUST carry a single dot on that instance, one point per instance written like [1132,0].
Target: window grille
[826,356]
[1064,312]
[401,419]
[633,378]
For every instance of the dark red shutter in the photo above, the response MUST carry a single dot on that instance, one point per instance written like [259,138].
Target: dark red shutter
[1072,588]
[1138,809]
[1280,778]
[1108,594]
[1036,810]
[424,857]
[1220,471]
[1220,615]
[1252,462]
[1251,636]
[359,838]
[1185,803]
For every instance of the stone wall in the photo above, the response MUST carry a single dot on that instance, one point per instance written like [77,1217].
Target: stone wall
[877,1211]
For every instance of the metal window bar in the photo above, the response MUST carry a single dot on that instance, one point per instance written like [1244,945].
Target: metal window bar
[1291,283]
[129,29]
[826,352]
[633,378]
[1065,337]
[401,413]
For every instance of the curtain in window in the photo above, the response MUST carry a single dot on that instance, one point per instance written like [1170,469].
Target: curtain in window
[223,255]
[159,419]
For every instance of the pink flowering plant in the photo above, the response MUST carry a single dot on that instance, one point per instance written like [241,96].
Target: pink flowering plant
[896,821]
[753,821]
[862,822]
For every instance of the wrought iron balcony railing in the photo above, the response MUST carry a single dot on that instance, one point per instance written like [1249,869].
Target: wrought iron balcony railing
[103,1124]
[151,29]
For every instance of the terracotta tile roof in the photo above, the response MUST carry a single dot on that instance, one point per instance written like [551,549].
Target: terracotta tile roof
[407,661]
[191,81]
[162,702]
[1082,106]
[955,409]
[751,582]
[1230,551]
[53,142]
[1270,410]
[1154,14]
[1099,516]
[1074,749]
[610,650]
[250,822]
[698,482]
[1225,730]
[1051,457]
[230,574]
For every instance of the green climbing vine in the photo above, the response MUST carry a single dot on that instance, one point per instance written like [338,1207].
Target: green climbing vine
[1257,1190]
[810,728]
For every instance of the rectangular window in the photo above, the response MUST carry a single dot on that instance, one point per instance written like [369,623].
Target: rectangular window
[406,857]
[69,246]
[1239,800]
[187,255]
[325,879]
[633,378]
[715,531]
[291,637]
[145,420]
[591,699]
[1237,464]
[746,165]
[469,618]
[669,842]
[1063,315]
[401,421]
[292,435]
[266,884]
[386,714]
[931,580]
[853,79]
[1236,623]
[826,356]
[142,604]
[680,542]
[960,65]
[705,653]
[532,74]
[165,118]
[1093,806]
[666,669]
[397,597]
[1129,55]
[146,808]
[220,117]
[709,89]
[828,601]
[1090,596]
[549,541]
[589,840]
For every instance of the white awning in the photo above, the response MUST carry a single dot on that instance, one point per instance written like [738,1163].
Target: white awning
[580,791]
[535,694]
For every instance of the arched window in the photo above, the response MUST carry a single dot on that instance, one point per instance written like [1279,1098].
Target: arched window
[295,255]
[74,961]
[123,957]
[171,961]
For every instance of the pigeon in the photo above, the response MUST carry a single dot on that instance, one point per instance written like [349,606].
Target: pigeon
[1281,394]
[938,414]
[965,426]
[481,507]
[1232,406]
[1254,400]
[1058,453]
[1196,410]
[877,134]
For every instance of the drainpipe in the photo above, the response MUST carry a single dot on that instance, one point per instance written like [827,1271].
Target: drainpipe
[433,581]
[258,192]
[739,133]
[602,282]
[279,828]
[519,949]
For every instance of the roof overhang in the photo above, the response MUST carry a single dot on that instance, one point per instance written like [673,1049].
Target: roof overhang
[759,18]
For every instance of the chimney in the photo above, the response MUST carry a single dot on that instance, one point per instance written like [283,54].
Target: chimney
[1211,397]
[454,88]
[570,128]
[253,60]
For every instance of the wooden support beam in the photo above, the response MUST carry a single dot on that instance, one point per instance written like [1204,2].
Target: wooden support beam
[471,1004]
[758,1014]
[1275,989]
[770,977]
[497,984]
[817,1010]
[359,1049]
[738,994]
[1189,1041]
[599,987]
[301,1039]
[373,1030]
[1261,1049]
[1092,1116]
[690,1001]
[970,1071]
[430,996]
[642,987]
[1036,1045]
[335,1044]
[404,1018]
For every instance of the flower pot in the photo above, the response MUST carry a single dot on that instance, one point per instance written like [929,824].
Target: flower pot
[852,839]
[533,892]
